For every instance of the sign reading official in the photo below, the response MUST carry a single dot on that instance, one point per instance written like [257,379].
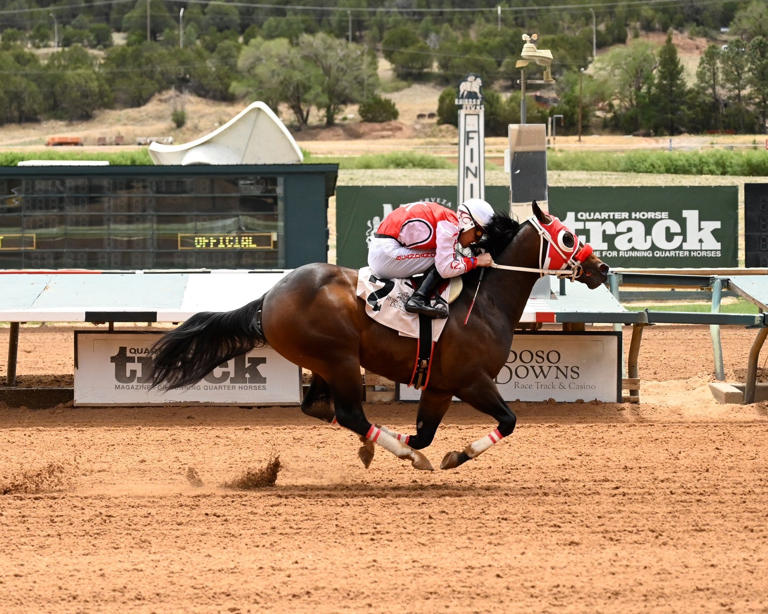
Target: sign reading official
[258,240]
[114,369]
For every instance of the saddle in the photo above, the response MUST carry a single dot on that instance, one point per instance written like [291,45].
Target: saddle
[385,302]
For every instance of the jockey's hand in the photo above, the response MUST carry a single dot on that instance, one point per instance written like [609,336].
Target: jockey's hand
[484,260]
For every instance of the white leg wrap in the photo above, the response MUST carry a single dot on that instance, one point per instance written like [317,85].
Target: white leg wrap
[400,437]
[388,442]
[481,445]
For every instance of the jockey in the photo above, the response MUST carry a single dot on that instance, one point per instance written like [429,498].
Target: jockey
[426,236]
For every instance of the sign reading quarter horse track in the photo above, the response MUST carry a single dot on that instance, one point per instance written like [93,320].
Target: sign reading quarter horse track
[114,369]
[654,226]
[471,138]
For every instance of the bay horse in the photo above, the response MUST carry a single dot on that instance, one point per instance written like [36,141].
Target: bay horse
[313,318]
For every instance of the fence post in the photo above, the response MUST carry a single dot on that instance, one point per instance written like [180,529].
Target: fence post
[714,329]
[13,349]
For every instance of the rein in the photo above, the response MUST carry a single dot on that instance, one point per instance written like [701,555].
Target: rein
[573,271]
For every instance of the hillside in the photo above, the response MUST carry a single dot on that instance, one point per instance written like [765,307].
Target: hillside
[415,103]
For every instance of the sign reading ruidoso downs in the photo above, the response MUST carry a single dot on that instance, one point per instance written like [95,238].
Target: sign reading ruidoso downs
[115,369]
[565,367]
[655,226]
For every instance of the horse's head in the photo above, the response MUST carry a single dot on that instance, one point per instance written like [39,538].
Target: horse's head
[562,250]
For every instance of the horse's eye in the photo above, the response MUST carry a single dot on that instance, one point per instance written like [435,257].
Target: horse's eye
[566,240]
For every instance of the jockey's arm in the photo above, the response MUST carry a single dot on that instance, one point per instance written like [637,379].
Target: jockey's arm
[447,262]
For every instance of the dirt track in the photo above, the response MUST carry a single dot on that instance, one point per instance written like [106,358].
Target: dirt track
[659,506]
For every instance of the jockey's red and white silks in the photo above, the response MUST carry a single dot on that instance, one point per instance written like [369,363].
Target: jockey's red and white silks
[415,236]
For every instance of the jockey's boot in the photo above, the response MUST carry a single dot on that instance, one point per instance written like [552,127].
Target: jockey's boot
[420,302]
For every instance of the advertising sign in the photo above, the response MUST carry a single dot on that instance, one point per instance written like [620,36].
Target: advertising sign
[654,226]
[669,226]
[565,367]
[756,224]
[114,369]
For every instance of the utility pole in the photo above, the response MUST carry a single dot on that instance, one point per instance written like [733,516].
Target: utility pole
[148,30]
[349,26]
[55,31]
[181,28]
[581,82]
[498,17]
[594,35]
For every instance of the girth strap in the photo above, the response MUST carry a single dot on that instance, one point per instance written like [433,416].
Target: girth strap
[424,351]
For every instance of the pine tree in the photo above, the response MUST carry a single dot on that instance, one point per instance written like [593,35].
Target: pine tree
[757,52]
[708,84]
[669,93]
[733,69]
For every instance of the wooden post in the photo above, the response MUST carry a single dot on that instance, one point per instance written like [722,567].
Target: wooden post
[13,351]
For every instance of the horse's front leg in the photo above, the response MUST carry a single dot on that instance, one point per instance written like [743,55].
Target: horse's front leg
[347,400]
[432,408]
[484,396]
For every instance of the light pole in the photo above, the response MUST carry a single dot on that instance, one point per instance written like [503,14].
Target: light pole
[55,30]
[181,28]
[522,95]
[542,57]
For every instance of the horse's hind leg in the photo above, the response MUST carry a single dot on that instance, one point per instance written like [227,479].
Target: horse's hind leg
[317,400]
[317,403]
[484,396]
[432,408]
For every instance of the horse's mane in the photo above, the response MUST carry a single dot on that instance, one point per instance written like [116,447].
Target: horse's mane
[498,234]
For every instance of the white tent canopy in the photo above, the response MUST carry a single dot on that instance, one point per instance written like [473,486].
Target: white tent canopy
[254,136]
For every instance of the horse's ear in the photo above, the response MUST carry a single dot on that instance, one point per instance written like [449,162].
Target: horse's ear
[540,215]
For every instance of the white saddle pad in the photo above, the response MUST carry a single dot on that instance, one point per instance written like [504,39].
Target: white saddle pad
[385,302]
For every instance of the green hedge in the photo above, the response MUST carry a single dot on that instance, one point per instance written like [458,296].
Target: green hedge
[136,157]
[750,163]
[405,159]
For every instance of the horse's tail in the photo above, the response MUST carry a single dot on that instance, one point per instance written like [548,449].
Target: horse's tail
[188,353]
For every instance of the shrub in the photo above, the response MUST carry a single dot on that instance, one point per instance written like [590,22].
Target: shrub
[447,111]
[377,109]
[179,117]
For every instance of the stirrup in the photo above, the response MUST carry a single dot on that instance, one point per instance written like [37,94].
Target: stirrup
[420,305]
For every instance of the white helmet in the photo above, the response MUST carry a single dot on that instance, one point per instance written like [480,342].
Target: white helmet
[474,212]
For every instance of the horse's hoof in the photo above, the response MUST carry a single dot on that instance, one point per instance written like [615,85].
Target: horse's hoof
[450,461]
[419,461]
[366,452]
[453,460]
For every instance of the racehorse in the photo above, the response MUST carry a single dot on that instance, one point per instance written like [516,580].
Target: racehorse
[313,317]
